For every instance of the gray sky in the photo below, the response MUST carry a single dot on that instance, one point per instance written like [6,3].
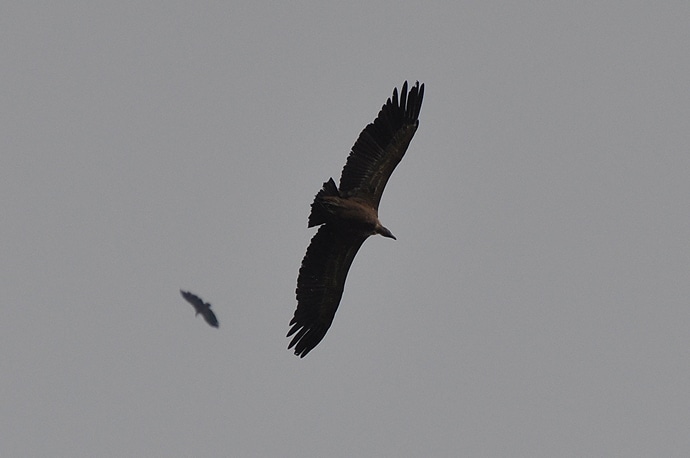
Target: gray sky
[535,302]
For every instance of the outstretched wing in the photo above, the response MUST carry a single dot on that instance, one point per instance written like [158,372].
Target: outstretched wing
[201,307]
[210,317]
[320,285]
[382,145]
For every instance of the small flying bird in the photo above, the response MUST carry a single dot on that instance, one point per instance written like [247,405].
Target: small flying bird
[349,214]
[201,307]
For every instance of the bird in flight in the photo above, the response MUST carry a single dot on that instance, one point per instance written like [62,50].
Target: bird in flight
[348,214]
[201,307]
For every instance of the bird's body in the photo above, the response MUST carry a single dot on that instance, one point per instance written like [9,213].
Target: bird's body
[202,308]
[349,214]
[354,215]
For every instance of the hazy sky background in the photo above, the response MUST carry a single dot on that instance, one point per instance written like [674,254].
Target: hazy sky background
[535,304]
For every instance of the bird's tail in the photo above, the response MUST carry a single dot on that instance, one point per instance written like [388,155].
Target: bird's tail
[319,212]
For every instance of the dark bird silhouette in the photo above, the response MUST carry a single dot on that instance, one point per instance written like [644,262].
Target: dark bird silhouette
[349,214]
[201,307]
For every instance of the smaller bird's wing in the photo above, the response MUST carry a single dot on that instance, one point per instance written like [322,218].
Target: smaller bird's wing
[201,307]
[320,285]
[210,317]
[381,146]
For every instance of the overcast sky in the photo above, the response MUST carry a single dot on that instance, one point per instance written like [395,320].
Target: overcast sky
[535,304]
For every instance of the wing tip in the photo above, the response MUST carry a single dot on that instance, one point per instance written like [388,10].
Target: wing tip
[409,102]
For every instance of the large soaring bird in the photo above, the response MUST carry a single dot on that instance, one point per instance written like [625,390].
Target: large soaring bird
[349,214]
[201,307]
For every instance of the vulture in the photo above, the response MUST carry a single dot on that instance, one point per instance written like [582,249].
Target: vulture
[348,214]
[201,307]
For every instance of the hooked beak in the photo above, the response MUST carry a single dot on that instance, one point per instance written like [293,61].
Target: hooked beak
[386,233]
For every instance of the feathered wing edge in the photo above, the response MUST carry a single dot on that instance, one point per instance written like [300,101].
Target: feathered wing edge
[382,145]
[320,286]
